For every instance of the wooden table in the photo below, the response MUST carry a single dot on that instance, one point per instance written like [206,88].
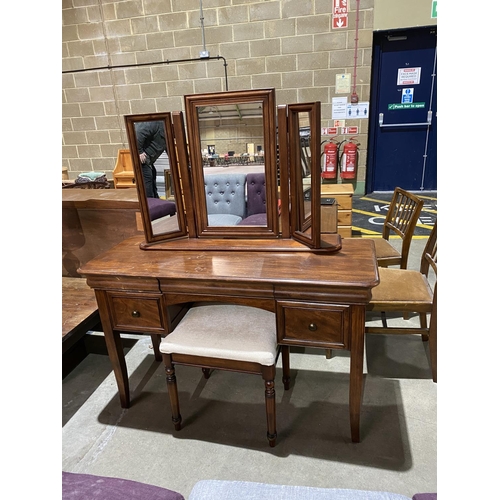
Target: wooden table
[319,299]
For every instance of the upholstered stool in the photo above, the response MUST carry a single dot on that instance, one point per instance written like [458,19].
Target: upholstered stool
[226,337]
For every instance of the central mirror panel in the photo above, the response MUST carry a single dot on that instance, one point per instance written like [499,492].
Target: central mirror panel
[232,147]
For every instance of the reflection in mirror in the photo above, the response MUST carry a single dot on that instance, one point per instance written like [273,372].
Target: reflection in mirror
[151,139]
[305,163]
[232,137]
[304,137]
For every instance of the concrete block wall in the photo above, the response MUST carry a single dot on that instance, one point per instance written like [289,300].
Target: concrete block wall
[287,44]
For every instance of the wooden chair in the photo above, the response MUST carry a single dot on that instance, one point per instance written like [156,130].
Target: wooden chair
[406,291]
[226,337]
[401,219]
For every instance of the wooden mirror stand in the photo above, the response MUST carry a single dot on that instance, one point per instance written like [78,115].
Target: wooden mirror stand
[246,176]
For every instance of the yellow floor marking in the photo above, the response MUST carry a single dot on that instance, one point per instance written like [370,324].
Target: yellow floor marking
[366,231]
[385,202]
[373,214]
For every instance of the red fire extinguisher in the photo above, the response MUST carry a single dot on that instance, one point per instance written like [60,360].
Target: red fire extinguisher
[349,160]
[330,160]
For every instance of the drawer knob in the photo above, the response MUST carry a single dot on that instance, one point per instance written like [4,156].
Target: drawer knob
[313,327]
[136,314]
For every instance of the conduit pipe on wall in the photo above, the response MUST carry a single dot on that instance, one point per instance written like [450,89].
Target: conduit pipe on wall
[171,61]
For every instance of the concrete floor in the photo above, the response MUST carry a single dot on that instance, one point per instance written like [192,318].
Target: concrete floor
[224,427]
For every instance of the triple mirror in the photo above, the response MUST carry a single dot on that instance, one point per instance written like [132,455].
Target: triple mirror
[223,174]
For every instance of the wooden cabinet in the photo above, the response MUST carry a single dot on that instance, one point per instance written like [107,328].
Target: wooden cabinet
[343,194]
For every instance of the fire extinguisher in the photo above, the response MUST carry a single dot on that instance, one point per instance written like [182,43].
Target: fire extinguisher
[330,160]
[349,160]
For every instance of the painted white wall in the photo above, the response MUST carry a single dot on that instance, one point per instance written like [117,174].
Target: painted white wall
[393,14]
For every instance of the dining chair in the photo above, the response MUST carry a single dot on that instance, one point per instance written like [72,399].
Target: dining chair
[401,219]
[407,291]
[226,337]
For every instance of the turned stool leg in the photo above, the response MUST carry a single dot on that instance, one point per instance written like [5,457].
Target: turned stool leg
[172,391]
[268,374]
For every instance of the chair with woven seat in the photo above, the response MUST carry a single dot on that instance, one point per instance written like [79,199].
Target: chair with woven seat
[401,219]
[407,291]
[226,337]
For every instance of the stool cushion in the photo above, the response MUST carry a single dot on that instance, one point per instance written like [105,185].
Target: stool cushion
[90,487]
[225,331]
[247,490]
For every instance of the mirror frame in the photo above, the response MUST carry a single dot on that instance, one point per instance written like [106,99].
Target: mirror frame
[306,229]
[192,104]
[166,118]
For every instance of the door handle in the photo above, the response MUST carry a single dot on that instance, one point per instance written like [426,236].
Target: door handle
[382,124]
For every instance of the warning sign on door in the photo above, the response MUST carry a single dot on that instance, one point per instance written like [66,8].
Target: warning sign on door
[409,76]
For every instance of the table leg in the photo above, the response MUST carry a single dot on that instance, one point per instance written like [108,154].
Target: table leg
[115,350]
[356,371]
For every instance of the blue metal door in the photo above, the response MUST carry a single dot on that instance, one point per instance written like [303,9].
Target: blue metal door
[402,149]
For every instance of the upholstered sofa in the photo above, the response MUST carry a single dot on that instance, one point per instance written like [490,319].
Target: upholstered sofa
[90,487]
[225,194]
[236,199]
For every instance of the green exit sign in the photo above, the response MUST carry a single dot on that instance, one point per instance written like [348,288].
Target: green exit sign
[434,9]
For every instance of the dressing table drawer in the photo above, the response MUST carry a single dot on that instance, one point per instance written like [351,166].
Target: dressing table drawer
[313,324]
[137,313]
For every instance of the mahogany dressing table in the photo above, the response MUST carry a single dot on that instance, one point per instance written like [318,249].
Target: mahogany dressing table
[319,299]
[318,285]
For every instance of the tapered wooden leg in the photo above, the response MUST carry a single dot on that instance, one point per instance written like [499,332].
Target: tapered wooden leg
[268,374]
[172,391]
[329,353]
[206,372]
[115,350]
[285,361]
[156,339]
[356,370]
